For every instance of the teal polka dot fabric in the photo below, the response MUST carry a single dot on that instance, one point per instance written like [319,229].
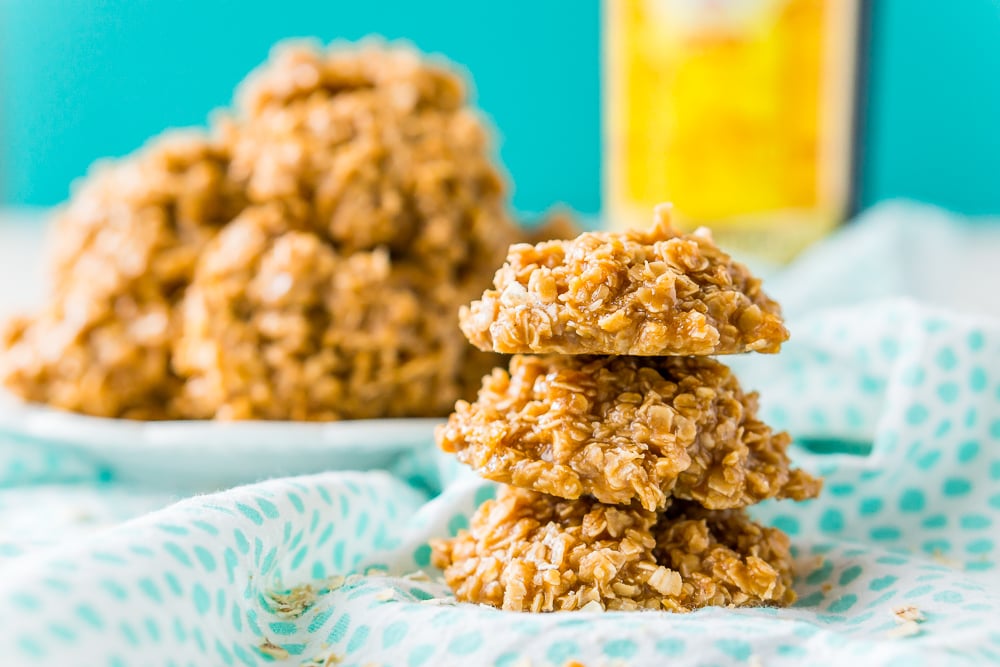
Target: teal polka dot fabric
[916,436]
[220,580]
[896,404]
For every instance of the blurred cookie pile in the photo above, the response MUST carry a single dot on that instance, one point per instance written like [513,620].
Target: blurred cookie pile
[305,258]
[624,478]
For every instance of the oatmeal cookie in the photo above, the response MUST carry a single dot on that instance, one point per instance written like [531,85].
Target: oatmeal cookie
[651,292]
[360,208]
[278,325]
[527,551]
[624,429]
[374,147]
[122,253]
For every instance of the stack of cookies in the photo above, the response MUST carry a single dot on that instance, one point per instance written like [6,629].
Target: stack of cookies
[627,455]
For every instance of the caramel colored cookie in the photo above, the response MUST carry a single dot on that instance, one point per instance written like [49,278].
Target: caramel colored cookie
[278,325]
[304,259]
[624,429]
[651,292]
[374,147]
[526,551]
[121,254]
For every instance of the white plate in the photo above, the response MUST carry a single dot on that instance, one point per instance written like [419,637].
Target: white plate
[191,455]
[211,454]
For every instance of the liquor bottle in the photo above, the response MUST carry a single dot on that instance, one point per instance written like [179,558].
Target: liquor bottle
[740,112]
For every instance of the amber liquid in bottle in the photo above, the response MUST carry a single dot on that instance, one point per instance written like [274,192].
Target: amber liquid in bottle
[738,111]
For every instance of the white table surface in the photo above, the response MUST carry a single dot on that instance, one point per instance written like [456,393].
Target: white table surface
[21,240]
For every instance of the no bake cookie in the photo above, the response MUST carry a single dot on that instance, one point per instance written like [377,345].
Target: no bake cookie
[279,325]
[649,292]
[305,258]
[122,253]
[526,551]
[624,429]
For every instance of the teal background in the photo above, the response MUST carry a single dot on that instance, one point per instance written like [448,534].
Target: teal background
[82,79]
[932,122]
